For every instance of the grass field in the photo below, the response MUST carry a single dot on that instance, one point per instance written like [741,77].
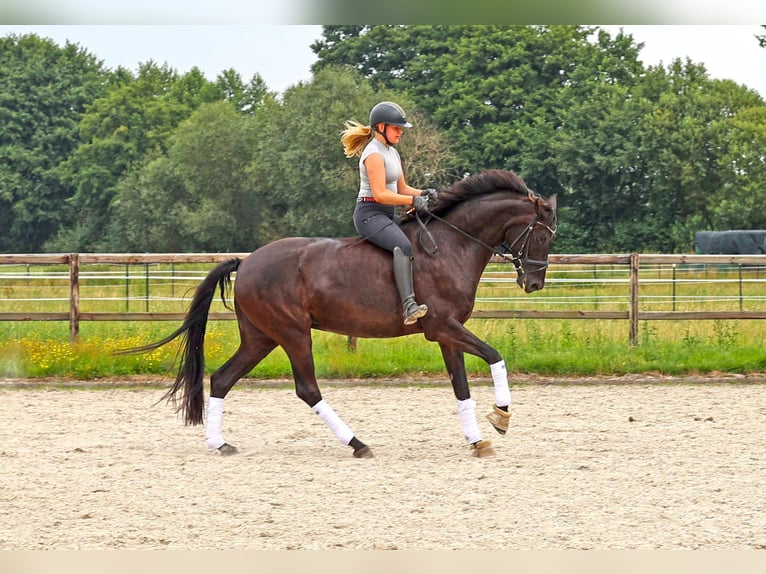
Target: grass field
[542,346]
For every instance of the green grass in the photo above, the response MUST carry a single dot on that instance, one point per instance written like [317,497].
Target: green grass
[545,347]
[540,346]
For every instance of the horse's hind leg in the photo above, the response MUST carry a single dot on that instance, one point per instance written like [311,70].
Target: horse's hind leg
[297,345]
[253,348]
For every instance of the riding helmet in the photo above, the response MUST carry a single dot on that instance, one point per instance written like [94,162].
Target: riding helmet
[389,113]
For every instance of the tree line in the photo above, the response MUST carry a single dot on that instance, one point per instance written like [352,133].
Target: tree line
[642,157]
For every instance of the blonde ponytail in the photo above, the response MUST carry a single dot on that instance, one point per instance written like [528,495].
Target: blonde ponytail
[355,137]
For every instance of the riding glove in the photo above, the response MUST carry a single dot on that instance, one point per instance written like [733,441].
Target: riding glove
[429,194]
[420,203]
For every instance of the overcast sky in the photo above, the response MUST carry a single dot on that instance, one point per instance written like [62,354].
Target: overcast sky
[281,54]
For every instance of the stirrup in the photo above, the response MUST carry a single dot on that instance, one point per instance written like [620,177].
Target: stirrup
[413,312]
[498,418]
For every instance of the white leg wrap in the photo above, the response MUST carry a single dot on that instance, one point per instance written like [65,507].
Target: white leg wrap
[500,381]
[332,420]
[467,411]
[214,424]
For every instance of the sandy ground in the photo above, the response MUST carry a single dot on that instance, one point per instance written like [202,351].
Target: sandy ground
[596,466]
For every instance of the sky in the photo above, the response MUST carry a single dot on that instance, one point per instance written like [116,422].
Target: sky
[281,53]
[728,52]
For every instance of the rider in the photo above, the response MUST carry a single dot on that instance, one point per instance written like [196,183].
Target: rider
[382,187]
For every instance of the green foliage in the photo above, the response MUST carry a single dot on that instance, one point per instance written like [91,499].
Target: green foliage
[738,203]
[543,346]
[489,87]
[45,91]
[642,158]
[546,348]
[133,122]
[246,98]
[192,197]
[299,172]
[298,169]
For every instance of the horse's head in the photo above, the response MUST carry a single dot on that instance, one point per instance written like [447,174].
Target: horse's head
[503,212]
[530,249]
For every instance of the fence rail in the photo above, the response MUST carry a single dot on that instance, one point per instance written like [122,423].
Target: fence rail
[629,265]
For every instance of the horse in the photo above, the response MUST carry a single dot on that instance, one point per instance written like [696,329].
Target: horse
[291,286]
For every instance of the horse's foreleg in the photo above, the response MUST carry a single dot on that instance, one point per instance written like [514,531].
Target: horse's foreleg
[458,337]
[500,415]
[466,406]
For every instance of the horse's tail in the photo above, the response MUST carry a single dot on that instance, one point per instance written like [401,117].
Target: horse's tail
[191,370]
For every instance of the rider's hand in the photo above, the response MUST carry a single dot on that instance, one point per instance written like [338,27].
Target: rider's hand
[429,194]
[420,203]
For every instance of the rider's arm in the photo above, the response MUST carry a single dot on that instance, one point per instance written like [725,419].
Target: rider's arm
[376,173]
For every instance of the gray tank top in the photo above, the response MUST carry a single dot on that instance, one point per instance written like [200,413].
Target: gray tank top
[391,161]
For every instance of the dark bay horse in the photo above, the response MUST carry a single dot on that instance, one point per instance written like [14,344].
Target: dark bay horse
[285,289]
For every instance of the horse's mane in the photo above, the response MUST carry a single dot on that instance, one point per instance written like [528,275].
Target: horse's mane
[482,183]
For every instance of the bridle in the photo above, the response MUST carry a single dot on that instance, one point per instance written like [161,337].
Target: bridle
[519,257]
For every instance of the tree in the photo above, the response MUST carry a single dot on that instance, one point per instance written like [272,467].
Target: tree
[212,151]
[246,98]
[688,159]
[526,98]
[761,39]
[584,147]
[482,85]
[196,197]
[739,201]
[135,120]
[45,91]
[232,180]
[299,170]
[146,214]
[640,157]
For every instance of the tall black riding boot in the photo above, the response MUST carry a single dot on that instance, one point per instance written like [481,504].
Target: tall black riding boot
[403,280]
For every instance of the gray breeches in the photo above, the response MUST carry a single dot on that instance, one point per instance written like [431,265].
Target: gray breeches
[376,224]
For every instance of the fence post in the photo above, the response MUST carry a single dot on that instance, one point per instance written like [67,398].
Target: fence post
[741,306]
[633,310]
[127,287]
[74,297]
[674,287]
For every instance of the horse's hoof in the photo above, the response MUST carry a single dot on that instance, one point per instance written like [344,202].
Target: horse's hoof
[227,450]
[364,452]
[499,418]
[482,448]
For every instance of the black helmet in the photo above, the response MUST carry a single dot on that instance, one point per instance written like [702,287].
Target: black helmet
[388,113]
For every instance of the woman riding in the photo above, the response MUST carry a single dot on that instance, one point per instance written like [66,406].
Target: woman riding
[382,187]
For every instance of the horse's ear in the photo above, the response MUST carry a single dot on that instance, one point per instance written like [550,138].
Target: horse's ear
[546,206]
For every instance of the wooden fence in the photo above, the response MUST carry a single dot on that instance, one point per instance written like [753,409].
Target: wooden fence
[632,261]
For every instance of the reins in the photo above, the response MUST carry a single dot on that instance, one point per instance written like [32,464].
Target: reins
[518,259]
